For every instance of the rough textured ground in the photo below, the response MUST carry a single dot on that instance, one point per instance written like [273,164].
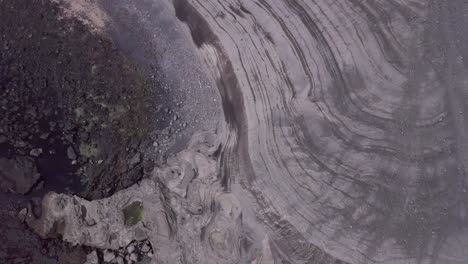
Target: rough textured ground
[74,118]
[182,210]
[352,128]
[149,34]
[345,134]
[79,117]
[21,245]
[71,101]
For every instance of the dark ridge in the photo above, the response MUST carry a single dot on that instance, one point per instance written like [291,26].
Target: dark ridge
[199,29]
[237,11]
[232,101]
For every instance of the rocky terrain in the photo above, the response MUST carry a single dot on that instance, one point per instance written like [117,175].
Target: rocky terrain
[75,111]
[342,139]
[76,117]
[182,210]
[84,114]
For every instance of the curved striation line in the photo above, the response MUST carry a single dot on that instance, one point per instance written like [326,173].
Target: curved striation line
[346,124]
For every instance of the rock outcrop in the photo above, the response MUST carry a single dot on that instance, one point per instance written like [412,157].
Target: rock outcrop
[182,211]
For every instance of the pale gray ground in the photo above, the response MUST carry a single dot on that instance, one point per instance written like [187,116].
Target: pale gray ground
[346,128]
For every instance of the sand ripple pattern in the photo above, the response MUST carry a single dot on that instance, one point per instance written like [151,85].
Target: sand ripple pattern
[347,123]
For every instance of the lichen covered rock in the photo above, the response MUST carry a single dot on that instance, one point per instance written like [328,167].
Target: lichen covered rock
[133,213]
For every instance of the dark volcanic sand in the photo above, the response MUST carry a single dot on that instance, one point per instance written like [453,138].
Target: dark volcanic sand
[72,95]
[74,113]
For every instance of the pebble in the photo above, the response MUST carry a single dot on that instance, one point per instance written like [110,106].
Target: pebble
[35,152]
[20,144]
[145,248]
[119,260]
[71,153]
[108,256]
[22,214]
[92,258]
[130,249]
[133,257]
[44,136]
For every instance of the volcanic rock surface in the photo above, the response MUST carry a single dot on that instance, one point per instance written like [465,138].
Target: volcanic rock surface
[182,210]
[349,121]
[344,141]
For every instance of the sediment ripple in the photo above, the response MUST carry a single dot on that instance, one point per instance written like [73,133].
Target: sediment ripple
[346,125]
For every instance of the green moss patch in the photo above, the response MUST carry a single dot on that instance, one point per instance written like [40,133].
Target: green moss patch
[88,150]
[133,213]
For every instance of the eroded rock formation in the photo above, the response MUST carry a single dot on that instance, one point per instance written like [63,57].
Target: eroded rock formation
[191,221]
[348,120]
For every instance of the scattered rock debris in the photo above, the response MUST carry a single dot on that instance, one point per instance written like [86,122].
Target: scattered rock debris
[69,125]
[68,113]
[184,216]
